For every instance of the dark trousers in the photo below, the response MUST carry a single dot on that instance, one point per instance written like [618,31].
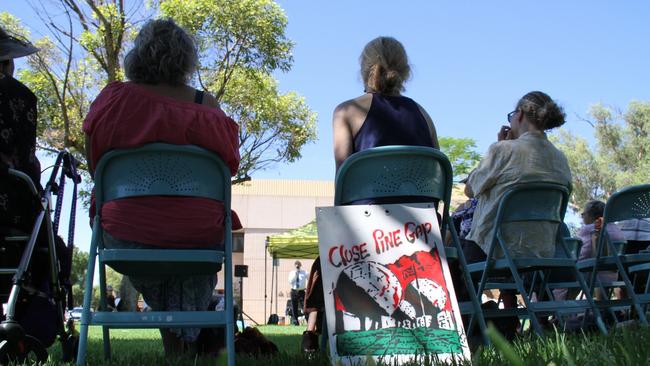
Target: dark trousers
[297,299]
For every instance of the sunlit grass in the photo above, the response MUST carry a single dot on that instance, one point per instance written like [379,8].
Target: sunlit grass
[622,347]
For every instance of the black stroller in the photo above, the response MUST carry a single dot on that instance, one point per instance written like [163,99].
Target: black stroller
[35,266]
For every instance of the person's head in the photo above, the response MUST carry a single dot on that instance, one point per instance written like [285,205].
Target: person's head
[384,66]
[535,111]
[593,210]
[297,264]
[10,48]
[109,289]
[163,53]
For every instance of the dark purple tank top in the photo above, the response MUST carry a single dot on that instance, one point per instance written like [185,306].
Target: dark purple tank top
[392,120]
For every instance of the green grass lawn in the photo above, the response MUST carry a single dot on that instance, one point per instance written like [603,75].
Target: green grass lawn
[622,347]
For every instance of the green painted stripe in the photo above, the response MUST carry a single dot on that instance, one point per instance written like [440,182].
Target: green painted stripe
[398,341]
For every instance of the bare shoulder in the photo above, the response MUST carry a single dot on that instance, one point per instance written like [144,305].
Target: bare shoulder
[352,105]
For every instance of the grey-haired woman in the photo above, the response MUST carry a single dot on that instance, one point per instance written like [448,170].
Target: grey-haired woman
[159,105]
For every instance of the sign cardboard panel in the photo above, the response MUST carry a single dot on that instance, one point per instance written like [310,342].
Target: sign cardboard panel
[388,290]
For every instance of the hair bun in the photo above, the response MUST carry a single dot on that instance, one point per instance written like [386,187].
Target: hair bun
[551,115]
[543,111]
[384,66]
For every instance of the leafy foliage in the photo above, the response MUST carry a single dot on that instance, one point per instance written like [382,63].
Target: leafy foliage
[241,44]
[461,153]
[619,157]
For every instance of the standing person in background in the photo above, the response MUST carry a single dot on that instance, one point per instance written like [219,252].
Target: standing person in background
[381,116]
[297,280]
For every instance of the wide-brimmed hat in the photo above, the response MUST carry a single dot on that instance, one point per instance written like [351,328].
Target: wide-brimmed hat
[12,47]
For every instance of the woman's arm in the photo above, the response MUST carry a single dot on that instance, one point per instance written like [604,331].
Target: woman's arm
[488,171]
[342,133]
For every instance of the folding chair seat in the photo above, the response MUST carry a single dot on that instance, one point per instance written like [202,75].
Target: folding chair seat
[532,202]
[412,174]
[629,203]
[162,170]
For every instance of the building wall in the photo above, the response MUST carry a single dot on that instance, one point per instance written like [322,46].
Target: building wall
[267,207]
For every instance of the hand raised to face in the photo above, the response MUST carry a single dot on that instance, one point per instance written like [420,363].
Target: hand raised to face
[505,133]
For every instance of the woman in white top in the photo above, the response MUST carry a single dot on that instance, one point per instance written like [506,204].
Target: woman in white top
[523,154]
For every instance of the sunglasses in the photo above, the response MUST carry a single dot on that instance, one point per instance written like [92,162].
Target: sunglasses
[511,114]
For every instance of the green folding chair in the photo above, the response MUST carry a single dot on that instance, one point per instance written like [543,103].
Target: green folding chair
[532,202]
[414,173]
[159,169]
[629,203]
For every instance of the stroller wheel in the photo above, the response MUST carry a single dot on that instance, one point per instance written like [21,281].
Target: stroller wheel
[4,352]
[29,348]
[34,347]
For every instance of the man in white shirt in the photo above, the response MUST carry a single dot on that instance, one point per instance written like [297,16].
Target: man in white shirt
[297,280]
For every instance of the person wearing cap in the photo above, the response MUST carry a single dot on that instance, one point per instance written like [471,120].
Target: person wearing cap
[297,280]
[18,118]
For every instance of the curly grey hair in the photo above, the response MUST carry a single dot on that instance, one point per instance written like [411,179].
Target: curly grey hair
[162,53]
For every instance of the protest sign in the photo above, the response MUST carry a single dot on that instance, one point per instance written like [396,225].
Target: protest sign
[388,290]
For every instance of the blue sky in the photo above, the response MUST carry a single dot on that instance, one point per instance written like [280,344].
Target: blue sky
[471,61]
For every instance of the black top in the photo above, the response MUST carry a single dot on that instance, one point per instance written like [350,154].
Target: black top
[17,145]
[393,120]
[198,97]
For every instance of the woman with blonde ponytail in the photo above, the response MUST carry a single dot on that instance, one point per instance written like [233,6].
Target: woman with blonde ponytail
[381,116]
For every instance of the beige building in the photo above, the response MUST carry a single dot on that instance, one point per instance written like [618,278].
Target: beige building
[268,207]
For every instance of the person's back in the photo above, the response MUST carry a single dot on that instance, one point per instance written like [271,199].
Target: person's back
[128,115]
[381,116]
[524,156]
[157,105]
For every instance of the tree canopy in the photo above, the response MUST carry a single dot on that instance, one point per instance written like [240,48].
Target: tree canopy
[619,156]
[241,45]
[461,153]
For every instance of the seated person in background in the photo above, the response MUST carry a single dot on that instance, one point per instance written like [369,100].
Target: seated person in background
[592,217]
[379,117]
[18,120]
[158,105]
[588,233]
[523,154]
